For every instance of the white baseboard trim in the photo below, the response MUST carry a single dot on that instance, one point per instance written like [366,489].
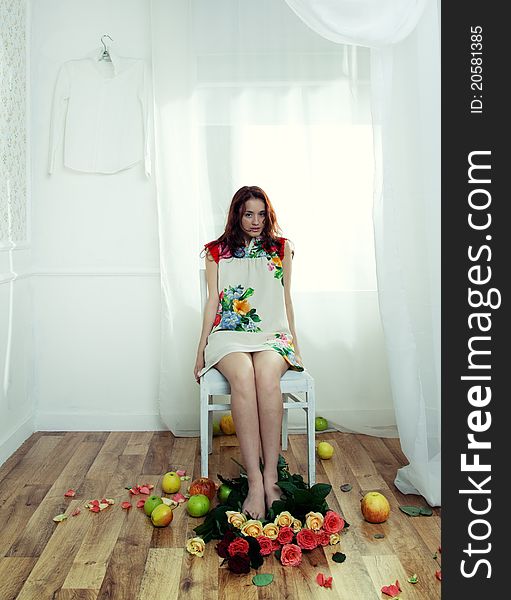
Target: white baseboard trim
[48,421]
[16,439]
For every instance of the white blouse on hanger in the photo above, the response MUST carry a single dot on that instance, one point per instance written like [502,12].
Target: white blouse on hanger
[101,110]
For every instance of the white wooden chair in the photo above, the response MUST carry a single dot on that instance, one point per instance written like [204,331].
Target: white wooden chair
[213,383]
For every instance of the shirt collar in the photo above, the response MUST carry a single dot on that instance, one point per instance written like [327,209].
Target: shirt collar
[116,59]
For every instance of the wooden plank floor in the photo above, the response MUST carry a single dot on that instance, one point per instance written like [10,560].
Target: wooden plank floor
[118,554]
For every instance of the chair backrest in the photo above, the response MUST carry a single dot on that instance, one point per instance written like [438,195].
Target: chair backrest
[203,289]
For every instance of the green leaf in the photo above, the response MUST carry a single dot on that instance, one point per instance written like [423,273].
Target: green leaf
[256,318]
[415,511]
[262,579]
[413,579]
[379,536]
[321,490]
[246,294]
[288,486]
[339,557]
[59,518]
[412,511]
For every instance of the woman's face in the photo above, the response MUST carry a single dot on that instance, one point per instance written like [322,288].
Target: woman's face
[253,218]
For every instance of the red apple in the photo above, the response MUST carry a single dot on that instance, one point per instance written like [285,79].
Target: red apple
[375,507]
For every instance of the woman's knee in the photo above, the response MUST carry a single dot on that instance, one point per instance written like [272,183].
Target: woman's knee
[268,371]
[238,369]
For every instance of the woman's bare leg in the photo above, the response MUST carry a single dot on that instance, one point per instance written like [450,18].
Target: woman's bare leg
[238,369]
[269,366]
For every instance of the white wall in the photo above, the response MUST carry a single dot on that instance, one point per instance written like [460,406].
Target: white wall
[95,242]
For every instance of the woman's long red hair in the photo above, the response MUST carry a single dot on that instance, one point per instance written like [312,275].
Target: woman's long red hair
[232,238]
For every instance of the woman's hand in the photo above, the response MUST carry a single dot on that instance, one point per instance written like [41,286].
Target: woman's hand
[199,365]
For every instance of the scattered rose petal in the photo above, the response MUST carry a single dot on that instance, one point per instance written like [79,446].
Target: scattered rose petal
[94,508]
[60,518]
[126,505]
[76,512]
[181,472]
[70,493]
[324,581]
[179,497]
[391,590]
[140,503]
[169,502]
[413,579]
[440,549]
[346,487]
[145,490]
[438,575]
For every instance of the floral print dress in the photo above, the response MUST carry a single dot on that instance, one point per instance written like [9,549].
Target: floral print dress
[251,314]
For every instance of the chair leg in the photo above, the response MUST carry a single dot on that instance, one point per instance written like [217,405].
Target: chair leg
[210,431]
[204,455]
[311,434]
[284,425]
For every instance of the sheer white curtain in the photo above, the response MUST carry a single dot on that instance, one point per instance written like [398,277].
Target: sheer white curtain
[247,94]
[405,77]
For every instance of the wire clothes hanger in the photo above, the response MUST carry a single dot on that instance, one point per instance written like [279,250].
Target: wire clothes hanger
[106,54]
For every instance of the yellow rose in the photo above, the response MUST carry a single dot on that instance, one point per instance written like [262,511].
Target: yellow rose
[196,546]
[270,530]
[277,261]
[335,538]
[296,526]
[314,521]
[284,519]
[253,528]
[236,519]
[241,306]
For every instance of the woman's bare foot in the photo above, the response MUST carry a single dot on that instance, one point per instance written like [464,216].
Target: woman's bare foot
[254,502]
[272,491]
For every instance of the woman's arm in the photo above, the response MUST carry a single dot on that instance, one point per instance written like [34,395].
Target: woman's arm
[209,311]
[287,267]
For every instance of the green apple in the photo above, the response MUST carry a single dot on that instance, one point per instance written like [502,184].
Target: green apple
[151,503]
[321,424]
[223,493]
[198,505]
[216,428]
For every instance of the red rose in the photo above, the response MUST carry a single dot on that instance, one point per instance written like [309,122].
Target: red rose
[323,537]
[265,544]
[291,555]
[333,522]
[217,320]
[238,546]
[275,544]
[306,539]
[239,563]
[285,535]
[223,545]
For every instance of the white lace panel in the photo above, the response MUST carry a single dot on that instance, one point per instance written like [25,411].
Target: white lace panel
[13,165]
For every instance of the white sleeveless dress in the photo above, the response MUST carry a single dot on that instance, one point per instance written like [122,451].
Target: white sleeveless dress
[251,314]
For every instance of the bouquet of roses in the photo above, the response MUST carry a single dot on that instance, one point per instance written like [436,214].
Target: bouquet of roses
[299,522]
